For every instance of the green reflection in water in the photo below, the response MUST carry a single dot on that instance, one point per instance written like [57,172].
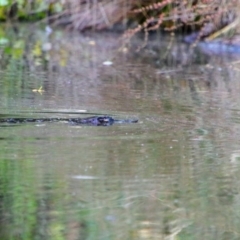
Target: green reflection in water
[18,198]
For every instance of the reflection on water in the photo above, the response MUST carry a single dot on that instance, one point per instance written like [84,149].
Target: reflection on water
[173,175]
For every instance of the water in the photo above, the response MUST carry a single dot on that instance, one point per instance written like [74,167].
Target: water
[173,175]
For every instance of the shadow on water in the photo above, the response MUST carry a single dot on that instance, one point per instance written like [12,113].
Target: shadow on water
[173,175]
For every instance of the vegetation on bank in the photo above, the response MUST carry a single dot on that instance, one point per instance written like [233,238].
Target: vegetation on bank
[212,17]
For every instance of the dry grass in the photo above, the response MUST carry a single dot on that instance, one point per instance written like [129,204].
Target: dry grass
[208,16]
[96,14]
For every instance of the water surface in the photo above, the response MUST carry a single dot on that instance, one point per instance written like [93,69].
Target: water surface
[173,175]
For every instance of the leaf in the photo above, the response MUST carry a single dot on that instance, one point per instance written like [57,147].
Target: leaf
[37,50]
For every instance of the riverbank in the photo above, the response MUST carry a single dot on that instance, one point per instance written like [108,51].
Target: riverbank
[208,16]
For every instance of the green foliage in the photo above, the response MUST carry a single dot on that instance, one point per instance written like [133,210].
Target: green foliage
[27,10]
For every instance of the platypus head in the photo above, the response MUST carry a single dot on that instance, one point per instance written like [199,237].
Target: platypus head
[103,121]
